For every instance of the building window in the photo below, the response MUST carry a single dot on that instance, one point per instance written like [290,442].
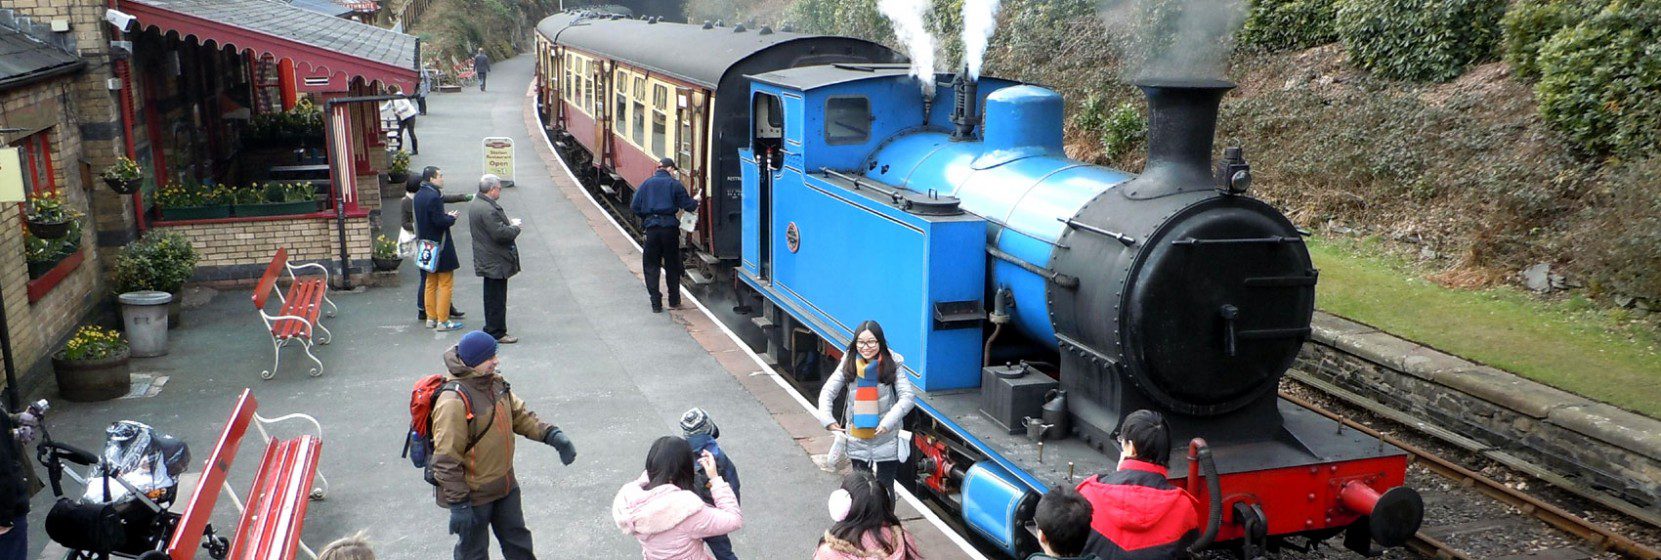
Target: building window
[35,155]
[49,260]
[847,120]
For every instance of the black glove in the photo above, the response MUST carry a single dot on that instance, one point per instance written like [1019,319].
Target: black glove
[461,518]
[567,451]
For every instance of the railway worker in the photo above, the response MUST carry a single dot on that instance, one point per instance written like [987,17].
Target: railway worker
[1063,519]
[495,255]
[661,510]
[879,397]
[865,527]
[432,223]
[481,66]
[1137,513]
[407,237]
[473,445]
[655,203]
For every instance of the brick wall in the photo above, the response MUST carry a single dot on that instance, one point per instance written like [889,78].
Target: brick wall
[37,328]
[237,252]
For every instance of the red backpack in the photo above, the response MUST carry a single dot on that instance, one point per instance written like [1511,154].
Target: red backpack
[418,445]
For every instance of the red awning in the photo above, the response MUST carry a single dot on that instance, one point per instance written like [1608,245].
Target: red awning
[328,52]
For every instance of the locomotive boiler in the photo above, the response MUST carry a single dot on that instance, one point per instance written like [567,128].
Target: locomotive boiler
[1037,299]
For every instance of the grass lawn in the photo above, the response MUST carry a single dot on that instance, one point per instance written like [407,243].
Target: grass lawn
[1572,345]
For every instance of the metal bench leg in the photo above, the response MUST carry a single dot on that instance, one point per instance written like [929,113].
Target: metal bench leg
[276,358]
[327,336]
[321,491]
[316,371]
[332,308]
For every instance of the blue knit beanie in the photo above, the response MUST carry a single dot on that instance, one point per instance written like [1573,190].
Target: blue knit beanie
[476,347]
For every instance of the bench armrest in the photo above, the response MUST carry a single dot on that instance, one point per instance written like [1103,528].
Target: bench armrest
[294,267]
[270,319]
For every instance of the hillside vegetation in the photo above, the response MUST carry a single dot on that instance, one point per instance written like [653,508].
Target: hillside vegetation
[1478,137]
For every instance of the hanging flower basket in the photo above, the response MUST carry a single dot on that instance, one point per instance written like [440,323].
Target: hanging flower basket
[49,230]
[124,186]
[386,264]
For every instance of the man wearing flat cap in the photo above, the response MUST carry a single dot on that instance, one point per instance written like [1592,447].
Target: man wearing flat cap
[655,203]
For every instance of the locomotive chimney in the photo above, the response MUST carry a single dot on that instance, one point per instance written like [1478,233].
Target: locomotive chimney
[1182,121]
[964,116]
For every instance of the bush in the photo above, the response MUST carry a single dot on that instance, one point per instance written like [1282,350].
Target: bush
[1600,82]
[1421,40]
[1529,24]
[1280,25]
[1623,251]
[160,261]
[1123,130]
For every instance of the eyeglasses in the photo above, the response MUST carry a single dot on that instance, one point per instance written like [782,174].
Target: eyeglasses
[866,343]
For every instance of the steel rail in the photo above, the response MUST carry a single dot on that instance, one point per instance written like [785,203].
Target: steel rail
[1599,537]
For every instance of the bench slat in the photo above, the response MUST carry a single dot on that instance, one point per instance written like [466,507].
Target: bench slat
[271,525]
[187,539]
[305,299]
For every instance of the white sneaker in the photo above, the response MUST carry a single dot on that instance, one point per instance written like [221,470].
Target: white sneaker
[431,323]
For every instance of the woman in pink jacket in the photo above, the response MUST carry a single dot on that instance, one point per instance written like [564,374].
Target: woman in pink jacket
[661,510]
[866,527]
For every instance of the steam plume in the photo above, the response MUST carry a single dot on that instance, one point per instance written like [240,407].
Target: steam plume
[907,18]
[1175,39]
[980,19]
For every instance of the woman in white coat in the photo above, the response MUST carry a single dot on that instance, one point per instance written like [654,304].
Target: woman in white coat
[879,397]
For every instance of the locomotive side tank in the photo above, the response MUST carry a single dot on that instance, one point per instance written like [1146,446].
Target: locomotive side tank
[1171,290]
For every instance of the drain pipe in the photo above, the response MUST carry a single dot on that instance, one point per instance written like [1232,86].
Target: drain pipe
[339,189]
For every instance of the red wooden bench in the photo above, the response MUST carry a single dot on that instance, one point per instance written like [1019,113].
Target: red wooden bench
[269,528]
[299,309]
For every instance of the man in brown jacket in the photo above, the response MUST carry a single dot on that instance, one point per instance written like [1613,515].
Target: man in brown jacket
[473,428]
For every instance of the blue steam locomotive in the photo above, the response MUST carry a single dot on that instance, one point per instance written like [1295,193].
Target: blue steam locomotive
[1037,299]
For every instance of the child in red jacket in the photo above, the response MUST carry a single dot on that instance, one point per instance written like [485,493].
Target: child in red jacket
[1137,513]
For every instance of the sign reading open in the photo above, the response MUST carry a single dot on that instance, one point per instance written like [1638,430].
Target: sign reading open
[498,158]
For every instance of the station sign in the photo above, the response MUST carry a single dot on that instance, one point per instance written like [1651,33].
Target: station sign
[498,158]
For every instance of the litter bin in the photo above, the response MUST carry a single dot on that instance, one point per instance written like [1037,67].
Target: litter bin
[144,314]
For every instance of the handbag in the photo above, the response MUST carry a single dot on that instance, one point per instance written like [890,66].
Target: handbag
[406,243]
[427,251]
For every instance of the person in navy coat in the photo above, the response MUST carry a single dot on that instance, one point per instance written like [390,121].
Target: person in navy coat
[432,223]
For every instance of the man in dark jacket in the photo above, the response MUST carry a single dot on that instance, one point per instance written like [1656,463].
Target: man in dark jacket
[1137,513]
[473,448]
[495,256]
[701,432]
[656,202]
[481,66]
[17,482]
[432,223]
[411,187]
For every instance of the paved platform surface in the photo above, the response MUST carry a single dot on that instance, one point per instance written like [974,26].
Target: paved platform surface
[594,360]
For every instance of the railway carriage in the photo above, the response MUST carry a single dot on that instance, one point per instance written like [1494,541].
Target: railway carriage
[1037,299]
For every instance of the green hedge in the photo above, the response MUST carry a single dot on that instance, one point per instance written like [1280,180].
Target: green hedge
[1600,82]
[1528,24]
[1421,40]
[1280,25]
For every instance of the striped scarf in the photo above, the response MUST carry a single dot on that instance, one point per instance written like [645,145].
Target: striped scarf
[867,406]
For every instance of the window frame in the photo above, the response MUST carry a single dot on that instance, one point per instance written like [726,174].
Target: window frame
[848,141]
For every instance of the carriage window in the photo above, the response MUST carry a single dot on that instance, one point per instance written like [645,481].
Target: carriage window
[683,141]
[660,121]
[767,128]
[639,123]
[847,120]
[620,120]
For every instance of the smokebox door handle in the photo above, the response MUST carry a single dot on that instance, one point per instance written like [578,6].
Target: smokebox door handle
[1229,313]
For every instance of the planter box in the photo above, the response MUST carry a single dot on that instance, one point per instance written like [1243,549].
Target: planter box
[38,269]
[92,380]
[196,212]
[276,208]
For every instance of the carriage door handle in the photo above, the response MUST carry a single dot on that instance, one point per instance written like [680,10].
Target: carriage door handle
[1229,313]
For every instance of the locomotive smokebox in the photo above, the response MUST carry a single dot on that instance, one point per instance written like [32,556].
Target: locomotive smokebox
[1182,119]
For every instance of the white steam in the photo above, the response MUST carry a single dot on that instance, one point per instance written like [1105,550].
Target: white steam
[907,18]
[980,19]
[1175,39]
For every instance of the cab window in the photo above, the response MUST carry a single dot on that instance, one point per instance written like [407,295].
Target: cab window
[847,120]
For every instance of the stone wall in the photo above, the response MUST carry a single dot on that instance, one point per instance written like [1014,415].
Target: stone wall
[37,328]
[234,253]
[1592,443]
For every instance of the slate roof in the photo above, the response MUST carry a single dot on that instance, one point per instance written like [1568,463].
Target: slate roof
[25,59]
[326,7]
[279,19]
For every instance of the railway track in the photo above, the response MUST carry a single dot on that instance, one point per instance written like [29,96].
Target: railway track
[1440,539]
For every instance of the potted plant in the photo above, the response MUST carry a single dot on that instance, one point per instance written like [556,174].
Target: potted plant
[182,201]
[93,365]
[123,176]
[49,215]
[386,254]
[39,254]
[397,169]
[160,261]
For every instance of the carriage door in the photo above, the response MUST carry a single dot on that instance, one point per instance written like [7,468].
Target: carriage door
[767,121]
[688,121]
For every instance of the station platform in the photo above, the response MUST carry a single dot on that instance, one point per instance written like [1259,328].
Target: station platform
[592,359]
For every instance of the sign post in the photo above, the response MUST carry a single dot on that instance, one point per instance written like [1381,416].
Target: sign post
[498,158]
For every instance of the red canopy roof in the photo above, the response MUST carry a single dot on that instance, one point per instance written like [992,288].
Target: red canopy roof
[328,52]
